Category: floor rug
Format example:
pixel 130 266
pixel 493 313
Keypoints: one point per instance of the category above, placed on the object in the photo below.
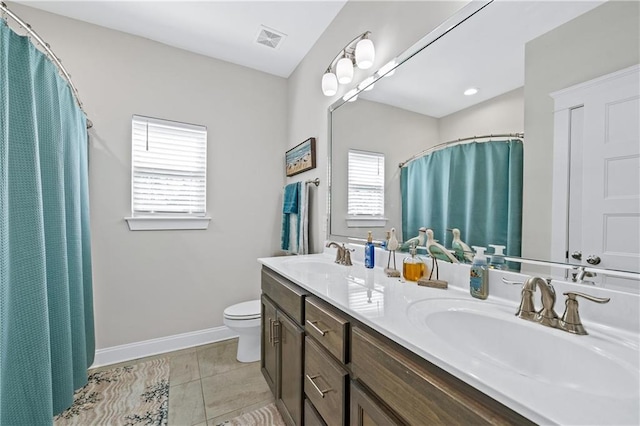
pixel 132 395
pixel 265 416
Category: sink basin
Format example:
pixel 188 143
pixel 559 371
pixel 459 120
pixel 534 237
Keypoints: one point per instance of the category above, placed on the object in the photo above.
pixel 490 332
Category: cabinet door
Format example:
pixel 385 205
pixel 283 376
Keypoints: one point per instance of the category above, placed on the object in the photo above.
pixel 311 416
pixel 290 338
pixel 269 348
pixel 366 411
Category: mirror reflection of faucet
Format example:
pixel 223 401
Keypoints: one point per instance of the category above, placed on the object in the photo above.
pixel 579 275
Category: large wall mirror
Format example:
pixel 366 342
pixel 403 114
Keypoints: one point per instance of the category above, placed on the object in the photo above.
pixel 531 62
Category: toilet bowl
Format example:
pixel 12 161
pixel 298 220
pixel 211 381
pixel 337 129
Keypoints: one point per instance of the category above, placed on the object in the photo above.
pixel 244 319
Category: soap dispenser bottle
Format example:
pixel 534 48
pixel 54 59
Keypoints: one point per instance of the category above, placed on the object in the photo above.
pixel 478 283
pixel 369 252
pixel 413 268
pixel 497 258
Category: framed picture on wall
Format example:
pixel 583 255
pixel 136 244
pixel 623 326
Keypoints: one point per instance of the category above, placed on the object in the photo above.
pixel 301 158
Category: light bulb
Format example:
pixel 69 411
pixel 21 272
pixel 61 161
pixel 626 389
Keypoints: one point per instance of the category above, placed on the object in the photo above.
pixel 350 96
pixel 384 70
pixel 329 84
pixel 344 71
pixel 471 91
pixel 367 84
pixel 365 54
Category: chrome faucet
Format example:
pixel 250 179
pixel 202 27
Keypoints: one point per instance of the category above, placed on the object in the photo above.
pixel 339 253
pixel 347 256
pixel 571 318
pixel 547 316
pixel 343 254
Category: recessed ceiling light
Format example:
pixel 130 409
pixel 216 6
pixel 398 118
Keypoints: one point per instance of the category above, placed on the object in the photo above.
pixel 471 91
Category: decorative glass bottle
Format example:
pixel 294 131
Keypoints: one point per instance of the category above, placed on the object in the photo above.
pixel 413 268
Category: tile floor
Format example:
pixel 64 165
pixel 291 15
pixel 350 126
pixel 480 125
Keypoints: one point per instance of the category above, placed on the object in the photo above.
pixel 207 385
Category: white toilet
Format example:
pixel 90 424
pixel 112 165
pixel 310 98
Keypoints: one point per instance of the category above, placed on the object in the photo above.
pixel 244 319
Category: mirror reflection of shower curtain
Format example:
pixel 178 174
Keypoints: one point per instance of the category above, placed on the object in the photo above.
pixel 46 300
pixel 475 187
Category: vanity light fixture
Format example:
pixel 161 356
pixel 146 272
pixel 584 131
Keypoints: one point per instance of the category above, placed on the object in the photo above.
pixel 471 91
pixel 350 96
pixel 359 51
pixel 388 69
pixel 367 84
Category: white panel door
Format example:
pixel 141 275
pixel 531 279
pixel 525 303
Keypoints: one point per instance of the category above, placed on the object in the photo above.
pixel 611 173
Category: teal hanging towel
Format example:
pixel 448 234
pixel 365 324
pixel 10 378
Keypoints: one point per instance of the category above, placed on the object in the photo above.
pixel 46 300
pixel 474 187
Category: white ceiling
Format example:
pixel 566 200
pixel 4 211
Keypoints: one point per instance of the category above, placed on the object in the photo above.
pixel 225 30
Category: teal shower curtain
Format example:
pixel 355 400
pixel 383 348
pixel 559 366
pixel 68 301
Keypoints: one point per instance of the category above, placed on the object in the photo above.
pixel 46 307
pixel 476 187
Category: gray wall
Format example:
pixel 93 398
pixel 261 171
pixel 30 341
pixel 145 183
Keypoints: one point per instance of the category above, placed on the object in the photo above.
pixel 502 114
pixel 599 42
pixel 150 284
pixel 372 126
pixel 395 26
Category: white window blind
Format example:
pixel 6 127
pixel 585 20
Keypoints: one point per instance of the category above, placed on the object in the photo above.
pixel 366 183
pixel 169 168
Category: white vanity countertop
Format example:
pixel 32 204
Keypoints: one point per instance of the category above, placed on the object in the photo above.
pixel 557 383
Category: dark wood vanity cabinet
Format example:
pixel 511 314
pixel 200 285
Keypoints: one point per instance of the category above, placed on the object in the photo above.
pixel 366 411
pixel 268 348
pixel 418 392
pixel 282 344
pixel 326 368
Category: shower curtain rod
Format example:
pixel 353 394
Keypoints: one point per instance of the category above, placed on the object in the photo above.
pixel 454 142
pixel 5 10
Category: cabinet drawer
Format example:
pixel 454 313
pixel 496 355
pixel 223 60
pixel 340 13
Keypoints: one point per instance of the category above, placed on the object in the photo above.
pixel 396 378
pixel 311 416
pixel 327 327
pixel 288 296
pixel 325 383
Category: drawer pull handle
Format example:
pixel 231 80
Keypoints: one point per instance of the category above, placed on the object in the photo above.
pixel 316 328
pixel 320 391
pixel 276 332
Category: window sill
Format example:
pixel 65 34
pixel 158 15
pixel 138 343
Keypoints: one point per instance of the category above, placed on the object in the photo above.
pixel 167 223
pixel 366 222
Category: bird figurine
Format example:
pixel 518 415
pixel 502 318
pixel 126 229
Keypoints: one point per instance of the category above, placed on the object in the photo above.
pixel 462 251
pixel 437 250
pixel 393 243
pixel 392 246
pixel 418 241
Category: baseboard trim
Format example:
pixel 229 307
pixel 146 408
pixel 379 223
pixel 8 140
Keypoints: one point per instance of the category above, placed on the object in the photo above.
pixel 121 353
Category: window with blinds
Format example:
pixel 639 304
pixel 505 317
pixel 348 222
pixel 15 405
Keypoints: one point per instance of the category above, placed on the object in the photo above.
pixel 169 168
pixel 366 183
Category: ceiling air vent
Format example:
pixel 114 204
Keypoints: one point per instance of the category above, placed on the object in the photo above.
pixel 270 37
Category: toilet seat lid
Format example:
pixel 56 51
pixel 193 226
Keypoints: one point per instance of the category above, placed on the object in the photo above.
pixel 244 310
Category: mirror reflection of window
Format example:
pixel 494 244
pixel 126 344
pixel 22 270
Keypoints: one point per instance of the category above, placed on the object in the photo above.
pixel 366 183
